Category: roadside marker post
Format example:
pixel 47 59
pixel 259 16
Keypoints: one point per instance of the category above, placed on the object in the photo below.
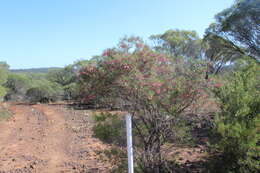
pixel 129 143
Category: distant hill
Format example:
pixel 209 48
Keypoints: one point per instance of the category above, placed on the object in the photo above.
pixel 34 70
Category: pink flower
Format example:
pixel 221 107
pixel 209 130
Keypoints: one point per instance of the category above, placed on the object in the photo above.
pixel 82 72
pixel 156 84
pixel 126 67
pixel 158 91
pixel 153 55
pixel 217 85
pixel 139 45
pixel 89 98
pixel 146 75
pixel 162 59
pixel 107 52
pixel 123 45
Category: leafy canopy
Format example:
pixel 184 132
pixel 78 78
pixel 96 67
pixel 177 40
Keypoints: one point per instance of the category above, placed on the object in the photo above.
pixel 240 24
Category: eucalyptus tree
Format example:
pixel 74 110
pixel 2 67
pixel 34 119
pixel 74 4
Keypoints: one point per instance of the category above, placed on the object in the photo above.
pixel 240 25
pixel 178 43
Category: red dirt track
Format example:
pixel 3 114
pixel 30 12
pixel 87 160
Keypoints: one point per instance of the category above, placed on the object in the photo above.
pixel 49 139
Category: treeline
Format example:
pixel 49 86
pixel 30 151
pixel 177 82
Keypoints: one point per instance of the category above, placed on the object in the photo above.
pixel 159 82
pixel 39 85
pixel 34 70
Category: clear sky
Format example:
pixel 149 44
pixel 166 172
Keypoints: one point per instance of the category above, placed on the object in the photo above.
pixel 44 33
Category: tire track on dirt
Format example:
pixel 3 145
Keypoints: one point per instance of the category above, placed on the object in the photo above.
pixel 20 139
pixel 40 139
pixel 56 138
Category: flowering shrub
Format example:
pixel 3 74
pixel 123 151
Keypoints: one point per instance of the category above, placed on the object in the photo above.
pixel 153 87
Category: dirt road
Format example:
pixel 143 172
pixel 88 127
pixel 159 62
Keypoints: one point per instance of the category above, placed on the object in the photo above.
pixel 49 139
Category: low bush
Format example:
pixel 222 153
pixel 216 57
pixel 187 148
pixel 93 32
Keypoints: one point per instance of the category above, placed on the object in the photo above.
pixel 109 128
pixel 118 157
pixel 4 113
pixel 2 92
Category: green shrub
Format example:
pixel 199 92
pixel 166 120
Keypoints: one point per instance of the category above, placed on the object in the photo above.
pixel 238 122
pixel 4 114
pixel 2 92
pixel 38 95
pixel 118 157
pixel 109 128
pixel 3 77
pixel 17 85
pixel 44 91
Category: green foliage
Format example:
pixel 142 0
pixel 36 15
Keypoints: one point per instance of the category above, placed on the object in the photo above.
pixel 18 82
pixel 4 113
pixel 67 78
pixel 109 128
pixel 63 76
pixel 34 70
pixel 177 43
pixel 117 156
pixel 220 52
pixel 34 87
pixel 71 91
pixel 17 85
pixel 2 92
pixel 3 72
pixel 44 91
pixel 240 25
pixel 3 77
pixel 239 120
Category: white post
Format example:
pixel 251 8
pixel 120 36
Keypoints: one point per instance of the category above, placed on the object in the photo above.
pixel 129 143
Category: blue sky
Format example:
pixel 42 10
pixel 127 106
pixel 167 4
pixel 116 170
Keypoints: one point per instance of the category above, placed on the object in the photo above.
pixel 44 33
